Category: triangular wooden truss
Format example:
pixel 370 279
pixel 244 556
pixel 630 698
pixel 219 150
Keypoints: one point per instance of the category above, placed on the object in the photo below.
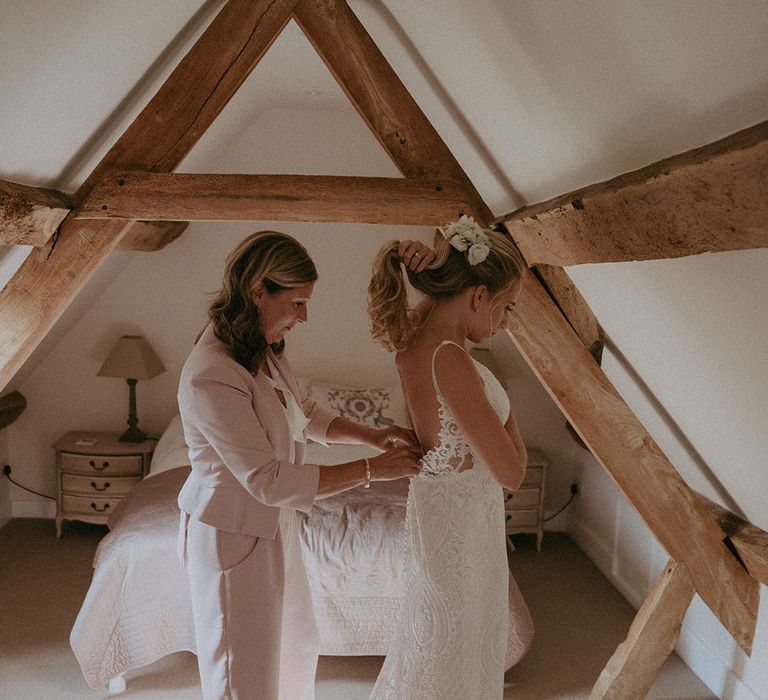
pixel 134 187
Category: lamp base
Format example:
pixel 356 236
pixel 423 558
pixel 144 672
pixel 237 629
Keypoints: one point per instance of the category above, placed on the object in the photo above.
pixel 133 434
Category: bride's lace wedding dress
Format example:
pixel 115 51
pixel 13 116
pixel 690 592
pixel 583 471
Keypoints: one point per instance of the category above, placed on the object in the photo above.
pixel 450 640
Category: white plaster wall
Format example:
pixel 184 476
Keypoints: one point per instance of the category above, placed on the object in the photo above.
pixel 696 330
pixel 693 330
pixel 75 74
pixel 11 257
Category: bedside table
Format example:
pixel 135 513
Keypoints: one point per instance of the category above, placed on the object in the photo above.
pixel 524 508
pixel 95 471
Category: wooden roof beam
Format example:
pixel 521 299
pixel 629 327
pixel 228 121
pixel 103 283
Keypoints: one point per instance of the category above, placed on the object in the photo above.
pixel 196 197
pixel 706 200
pixel 750 542
pixel 158 139
pixel 30 215
pixel 629 454
pixel 381 99
pixel 632 669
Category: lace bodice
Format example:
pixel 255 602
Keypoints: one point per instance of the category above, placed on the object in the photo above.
pixel 452 451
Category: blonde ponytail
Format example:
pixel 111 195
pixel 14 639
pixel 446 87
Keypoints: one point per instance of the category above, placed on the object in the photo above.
pixel 388 300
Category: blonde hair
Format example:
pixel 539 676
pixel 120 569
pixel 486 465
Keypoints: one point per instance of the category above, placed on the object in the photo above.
pixel 391 321
pixel 279 262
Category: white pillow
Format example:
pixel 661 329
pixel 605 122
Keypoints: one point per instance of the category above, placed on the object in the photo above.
pixel 171 450
pixel 376 408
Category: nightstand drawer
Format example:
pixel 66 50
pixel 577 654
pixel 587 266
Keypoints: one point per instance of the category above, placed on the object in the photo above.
pixel 523 518
pixel 98 464
pixel 533 476
pixel 98 485
pixel 523 498
pixel 87 505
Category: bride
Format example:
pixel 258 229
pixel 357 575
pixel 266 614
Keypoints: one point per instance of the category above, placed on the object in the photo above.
pixel 452 634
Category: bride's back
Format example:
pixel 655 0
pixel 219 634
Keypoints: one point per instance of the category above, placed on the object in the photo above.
pixel 414 365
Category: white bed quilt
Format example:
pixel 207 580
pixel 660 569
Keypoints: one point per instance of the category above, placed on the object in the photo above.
pixel 137 608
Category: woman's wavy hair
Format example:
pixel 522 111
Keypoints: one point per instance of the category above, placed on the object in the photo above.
pixel 391 321
pixel 279 262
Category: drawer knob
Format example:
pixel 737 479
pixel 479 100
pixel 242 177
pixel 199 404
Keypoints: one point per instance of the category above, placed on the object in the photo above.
pixel 100 510
pixel 95 486
pixel 103 466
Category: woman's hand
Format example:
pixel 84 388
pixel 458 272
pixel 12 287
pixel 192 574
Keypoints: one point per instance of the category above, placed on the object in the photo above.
pixel 415 255
pixel 394 436
pixel 394 464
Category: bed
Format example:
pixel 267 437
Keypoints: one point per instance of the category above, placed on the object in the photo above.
pixel 137 608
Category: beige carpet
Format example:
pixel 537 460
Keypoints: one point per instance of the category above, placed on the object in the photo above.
pixel 580 618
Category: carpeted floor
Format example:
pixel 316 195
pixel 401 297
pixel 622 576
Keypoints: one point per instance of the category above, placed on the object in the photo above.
pixel 580 619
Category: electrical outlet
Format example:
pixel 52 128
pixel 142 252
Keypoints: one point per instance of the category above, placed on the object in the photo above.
pixel 7 470
pixel 575 489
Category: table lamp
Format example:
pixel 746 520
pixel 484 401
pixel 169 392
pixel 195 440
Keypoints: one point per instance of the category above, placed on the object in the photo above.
pixel 132 358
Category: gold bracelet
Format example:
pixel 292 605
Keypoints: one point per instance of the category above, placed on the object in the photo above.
pixel 367 474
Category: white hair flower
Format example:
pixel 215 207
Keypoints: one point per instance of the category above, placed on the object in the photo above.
pixel 478 252
pixel 467 235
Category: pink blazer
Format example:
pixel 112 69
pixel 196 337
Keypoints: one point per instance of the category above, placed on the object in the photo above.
pixel 239 443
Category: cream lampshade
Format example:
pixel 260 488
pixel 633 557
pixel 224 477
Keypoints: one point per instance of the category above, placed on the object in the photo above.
pixel 132 358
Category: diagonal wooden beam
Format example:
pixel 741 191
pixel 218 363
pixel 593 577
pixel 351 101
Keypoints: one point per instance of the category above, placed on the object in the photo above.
pixel 574 307
pixel 197 90
pixel 189 101
pixel 577 312
pixel 30 215
pixel 709 199
pixel 749 541
pixel 381 99
pixel 626 450
pixel 631 671
pixel 159 138
pixel 45 284
pixel 196 197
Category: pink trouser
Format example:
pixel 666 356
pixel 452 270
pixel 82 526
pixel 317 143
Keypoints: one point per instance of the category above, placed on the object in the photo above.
pixel 254 623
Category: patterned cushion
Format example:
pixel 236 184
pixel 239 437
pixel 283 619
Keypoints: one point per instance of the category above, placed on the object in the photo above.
pixel 376 408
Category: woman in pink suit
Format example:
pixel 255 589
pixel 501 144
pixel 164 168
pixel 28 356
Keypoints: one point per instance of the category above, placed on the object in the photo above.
pixel 246 421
